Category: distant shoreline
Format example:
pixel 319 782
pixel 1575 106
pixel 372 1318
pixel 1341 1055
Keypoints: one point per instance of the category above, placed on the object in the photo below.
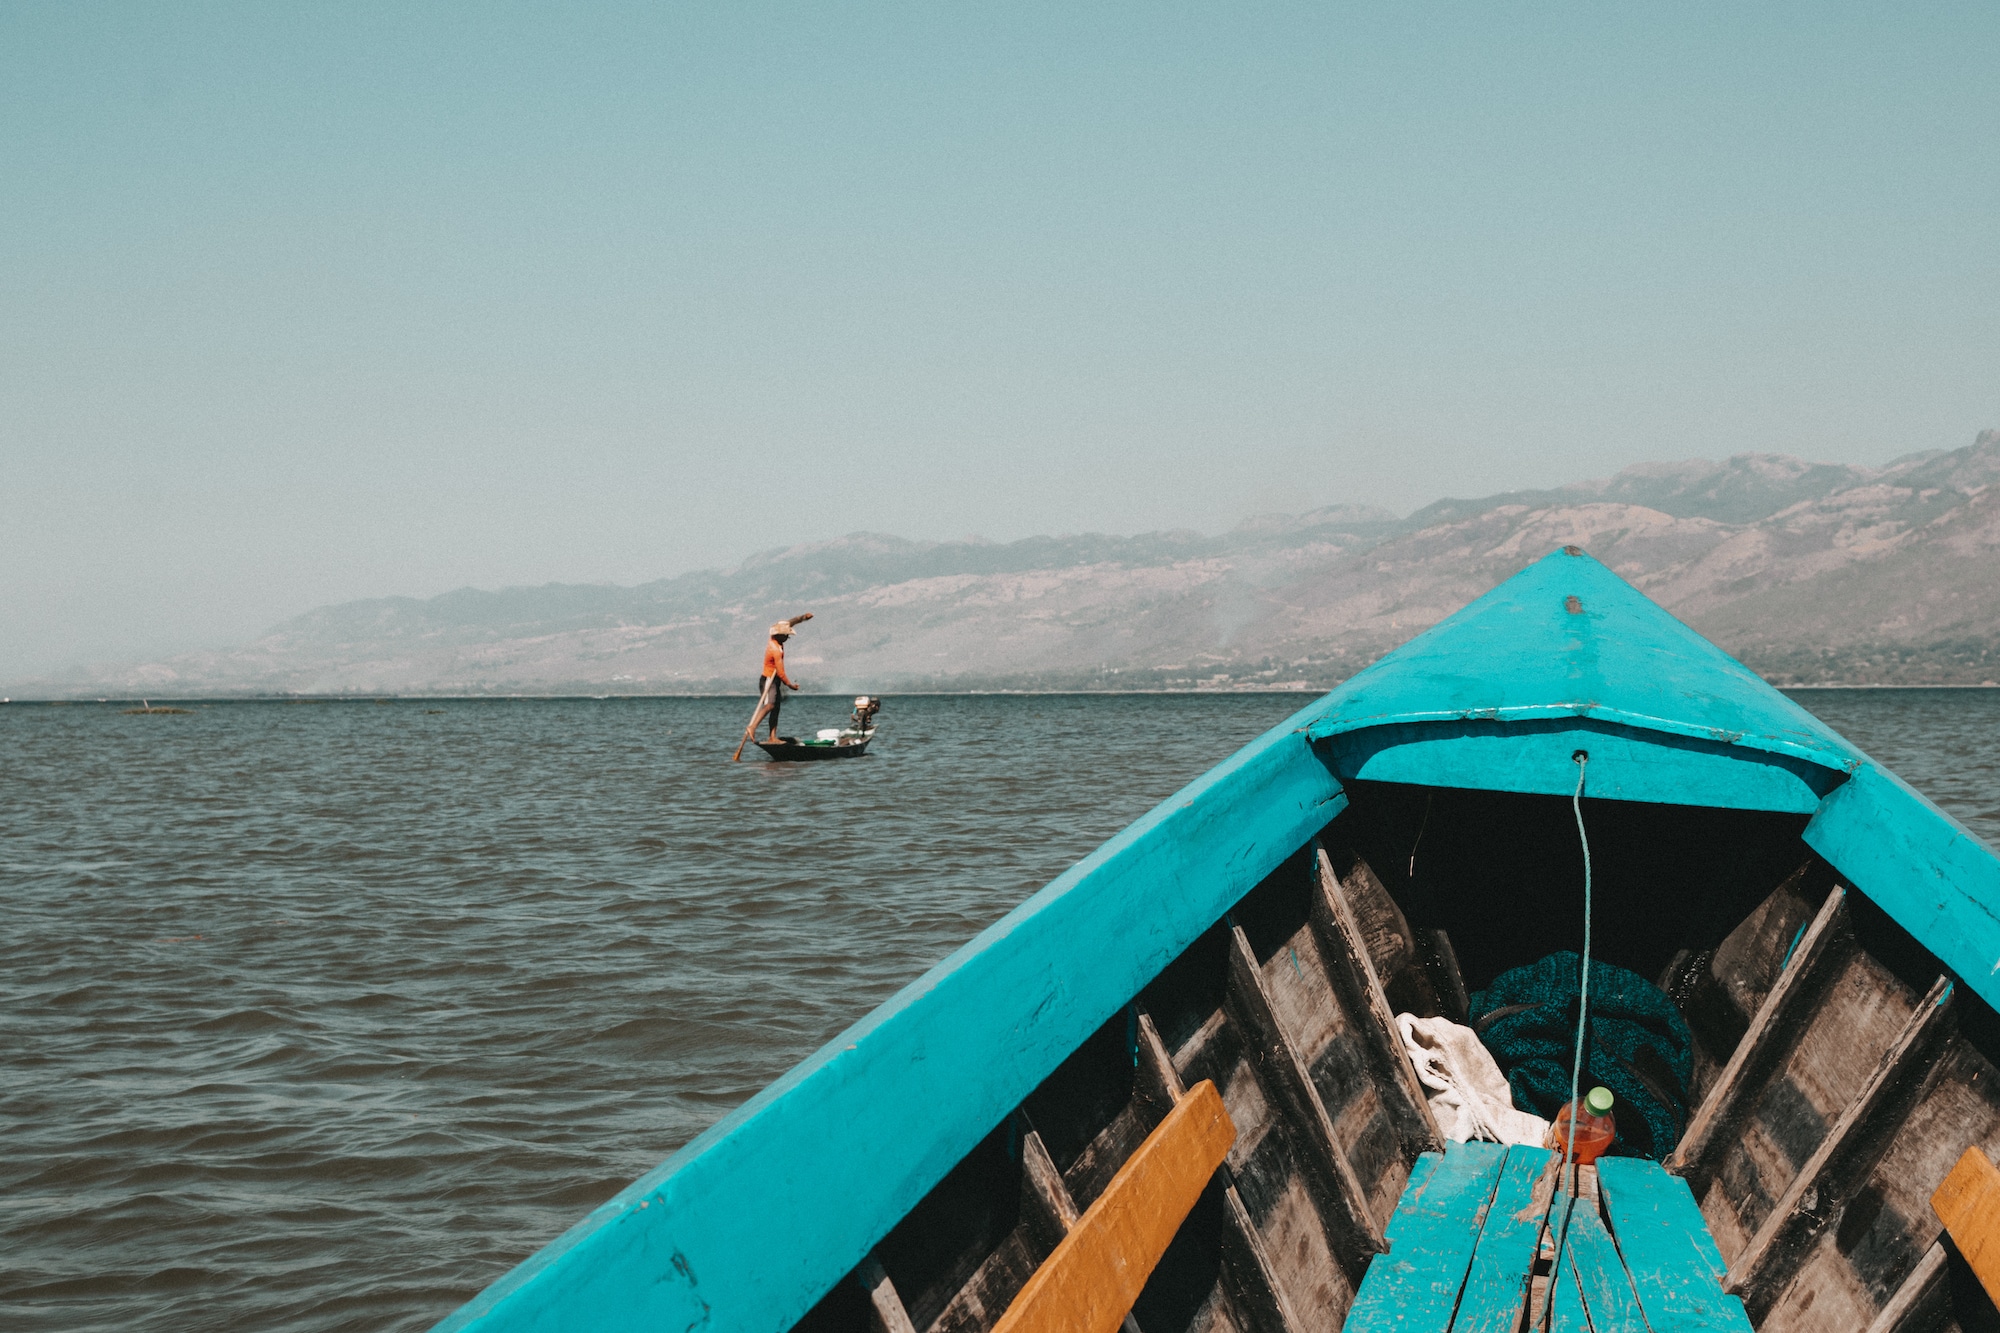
pixel 210 699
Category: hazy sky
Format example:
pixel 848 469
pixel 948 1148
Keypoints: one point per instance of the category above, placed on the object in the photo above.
pixel 306 303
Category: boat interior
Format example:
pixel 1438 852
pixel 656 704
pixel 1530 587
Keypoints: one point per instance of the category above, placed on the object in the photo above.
pixel 1837 1074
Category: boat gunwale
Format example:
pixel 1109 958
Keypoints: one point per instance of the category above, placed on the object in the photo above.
pixel 1211 841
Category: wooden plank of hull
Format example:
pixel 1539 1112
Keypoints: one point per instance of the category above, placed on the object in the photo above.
pixel 1844 1157
pixel 1252 1275
pixel 997 1276
pixel 1863 1013
pixel 1342 1201
pixel 1089 1283
pixel 1865 1252
pixel 885 1307
pixel 1915 1306
pixel 1755 955
pixel 1720 991
pixel 1378 925
pixel 1291 1201
pixel 1094 1167
pixel 1718 1124
pixel 1332 1047
pixel 1045 1187
pixel 1968 1202
pixel 1441 963
pixel 1352 969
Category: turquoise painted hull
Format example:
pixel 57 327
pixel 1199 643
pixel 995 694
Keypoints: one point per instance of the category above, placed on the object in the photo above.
pixel 747 1227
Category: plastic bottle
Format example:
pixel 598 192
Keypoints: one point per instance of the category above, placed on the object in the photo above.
pixel 1594 1128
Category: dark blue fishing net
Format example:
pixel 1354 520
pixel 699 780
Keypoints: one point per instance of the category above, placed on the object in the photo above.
pixel 1636 1045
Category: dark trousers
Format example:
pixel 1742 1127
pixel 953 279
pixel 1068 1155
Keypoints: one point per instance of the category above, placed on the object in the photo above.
pixel 771 693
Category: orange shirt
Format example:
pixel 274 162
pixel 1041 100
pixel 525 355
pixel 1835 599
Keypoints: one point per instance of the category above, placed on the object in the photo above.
pixel 774 662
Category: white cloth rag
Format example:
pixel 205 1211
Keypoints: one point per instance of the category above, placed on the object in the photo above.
pixel 1467 1092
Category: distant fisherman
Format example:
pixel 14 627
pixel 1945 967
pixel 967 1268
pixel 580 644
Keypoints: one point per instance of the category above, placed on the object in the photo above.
pixel 772 683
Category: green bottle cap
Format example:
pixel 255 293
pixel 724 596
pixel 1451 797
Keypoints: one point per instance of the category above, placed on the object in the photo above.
pixel 1599 1101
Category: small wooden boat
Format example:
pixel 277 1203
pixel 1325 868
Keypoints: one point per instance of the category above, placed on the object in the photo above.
pixel 1167 1092
pixel 845 745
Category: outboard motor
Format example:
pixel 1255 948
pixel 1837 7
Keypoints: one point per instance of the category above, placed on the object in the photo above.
pixel 866 706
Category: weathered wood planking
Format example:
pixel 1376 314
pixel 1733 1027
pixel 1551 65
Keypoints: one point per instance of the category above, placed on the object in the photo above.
pixel 983 1296
pixel 1248 1266
pixel 1056 1211
pixel 1915 1307
pixel 1592 1263
pixel 1789 1003
pixel 1751 958
pixel 1496 1283
pixel 1569 1315
pixel 1840 1163
pixel 1721 991
pixel 1340 1053
pixel 1675 1268
pixel 1389 943
pixel 1466 1235
pixel 1863 1257
pixel 1089 1283
pixel 885 1307
pixel 1342 1201
pixel 1352 969
pixel 1274 1176
pixel 1415 1287
pixel 1838 1047
pixel 1094 1167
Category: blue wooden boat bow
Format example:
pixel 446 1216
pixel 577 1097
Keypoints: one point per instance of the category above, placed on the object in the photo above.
pixel 758 1224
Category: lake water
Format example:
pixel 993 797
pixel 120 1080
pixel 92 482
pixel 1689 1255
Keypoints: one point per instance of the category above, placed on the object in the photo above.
pixel 319 1017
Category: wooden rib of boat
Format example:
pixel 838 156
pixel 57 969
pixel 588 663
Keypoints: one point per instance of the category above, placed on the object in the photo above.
pixel 790 749
pixel 1832 939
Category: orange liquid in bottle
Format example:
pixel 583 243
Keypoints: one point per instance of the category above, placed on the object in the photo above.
pixel 1595 1128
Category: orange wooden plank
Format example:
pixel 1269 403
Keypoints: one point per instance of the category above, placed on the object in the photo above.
pixel 1968 1203
pixel 1089 1283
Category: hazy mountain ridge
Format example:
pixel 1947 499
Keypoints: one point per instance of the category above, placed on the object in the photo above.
pixel 1810 572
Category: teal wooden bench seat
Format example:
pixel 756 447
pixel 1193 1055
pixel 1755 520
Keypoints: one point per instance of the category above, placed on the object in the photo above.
pixel 1675 1268
pixel 1464 1240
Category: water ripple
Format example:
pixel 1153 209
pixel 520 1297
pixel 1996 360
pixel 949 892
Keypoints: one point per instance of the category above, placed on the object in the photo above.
pixel 317 1019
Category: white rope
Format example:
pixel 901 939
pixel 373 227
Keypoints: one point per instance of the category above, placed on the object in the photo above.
pixel 1576 1065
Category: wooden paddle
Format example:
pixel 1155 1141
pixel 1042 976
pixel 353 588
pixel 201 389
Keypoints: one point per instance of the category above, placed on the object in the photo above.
pixel 763 707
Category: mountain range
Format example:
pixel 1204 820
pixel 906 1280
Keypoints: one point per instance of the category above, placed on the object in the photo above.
pixel 1811 573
